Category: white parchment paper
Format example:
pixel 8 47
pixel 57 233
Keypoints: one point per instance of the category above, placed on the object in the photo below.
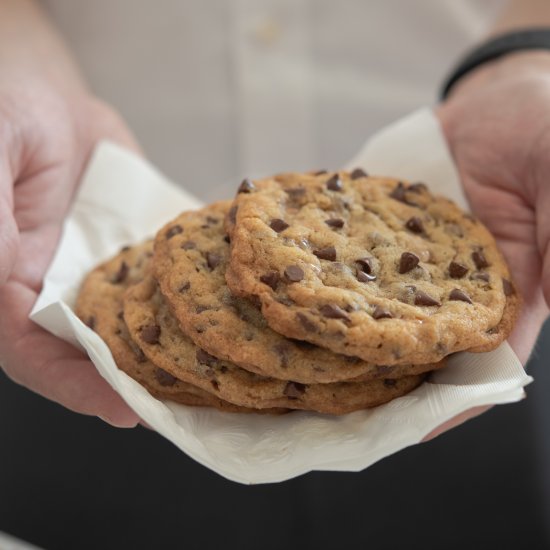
pixel 123 199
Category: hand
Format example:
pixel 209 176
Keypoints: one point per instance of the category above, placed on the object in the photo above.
pixel 497 124
pixel 46 137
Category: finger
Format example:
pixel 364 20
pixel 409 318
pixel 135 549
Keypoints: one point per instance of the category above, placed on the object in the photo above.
pixel 52 368
pixel 546 274
pixel 544 245
pixel 9 233
pixel 108 124
pixel 9 239
pixel 526 331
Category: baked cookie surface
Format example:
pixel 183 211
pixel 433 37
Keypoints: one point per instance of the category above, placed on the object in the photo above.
pixel 369 267
pixel 99 305
pixel 191 256
pixel 152 324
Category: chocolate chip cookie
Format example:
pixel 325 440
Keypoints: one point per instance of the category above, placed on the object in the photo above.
pixel 99 305
pixel 370 267
pixel 151 323
pixel 191 255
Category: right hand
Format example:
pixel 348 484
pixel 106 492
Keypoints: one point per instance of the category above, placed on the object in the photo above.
pixel 46 138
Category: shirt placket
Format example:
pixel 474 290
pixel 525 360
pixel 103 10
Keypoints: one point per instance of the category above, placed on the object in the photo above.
pixel 270 53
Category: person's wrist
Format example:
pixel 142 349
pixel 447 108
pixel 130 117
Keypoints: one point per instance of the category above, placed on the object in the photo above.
pixel 491 83
pixel 510 67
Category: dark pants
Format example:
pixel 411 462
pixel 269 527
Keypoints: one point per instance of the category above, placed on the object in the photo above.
pixel 68 481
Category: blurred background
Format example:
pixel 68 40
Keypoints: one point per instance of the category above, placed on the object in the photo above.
pixel 217 90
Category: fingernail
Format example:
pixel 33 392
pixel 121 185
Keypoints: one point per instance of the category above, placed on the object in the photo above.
pixel 119 424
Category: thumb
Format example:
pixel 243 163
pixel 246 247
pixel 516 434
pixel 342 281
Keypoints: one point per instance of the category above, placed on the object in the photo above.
pixel 546 271
pixel 9 232
pixel 543 237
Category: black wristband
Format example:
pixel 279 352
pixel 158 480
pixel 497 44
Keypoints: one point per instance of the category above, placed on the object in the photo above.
pixel 527 39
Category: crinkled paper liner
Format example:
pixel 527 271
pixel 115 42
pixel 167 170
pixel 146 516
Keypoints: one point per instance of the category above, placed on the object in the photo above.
pixel 123 199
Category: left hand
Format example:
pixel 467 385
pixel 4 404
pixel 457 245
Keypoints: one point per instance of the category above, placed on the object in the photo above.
pixel 497 125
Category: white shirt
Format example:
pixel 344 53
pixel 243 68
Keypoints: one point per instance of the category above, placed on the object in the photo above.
pixel 217 90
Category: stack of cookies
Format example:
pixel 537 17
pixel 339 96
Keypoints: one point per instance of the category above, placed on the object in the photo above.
pixel 323 292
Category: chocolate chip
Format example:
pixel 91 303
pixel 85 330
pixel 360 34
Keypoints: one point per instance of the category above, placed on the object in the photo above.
pixel 211 220
pixel 164 378
pixel 271 279
pixel 390 382
pixel 442 349
pixel 363 277
pixel 327 253
pixel 320 172
pixel 336 223
pixel 332 311
pixel 215 384
pixel 189 245
pixel 460 295
pixel 201 309
pixel 302 344
pixel 209 371
pixel 381 313
pixel 121 274
pixel 494 330
pixel 90 322
pixel 213 260
pixel 232 214
pixel 294 273
pixel 365 264
pixel 415 225
pixel 278 225
pixel 295 192
pixel 423 299
pixel 407 262
pixel 255 302
pixel 140 356
pixel 480 276
pixel 384 369
pixel 282 350
pixel 150 334
pixel 399 194
pixel 294 390
pixel 306 323
pixel 226 239
pixel 205 358
pixel 120 315
pixel 358 173
pixel 417 187
pixel 285 300
pixel 174 230
pixel 335 183
pixel 508 287
pixel 479 259
pixel 457 271
pixel 184 287
pixel 246 186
